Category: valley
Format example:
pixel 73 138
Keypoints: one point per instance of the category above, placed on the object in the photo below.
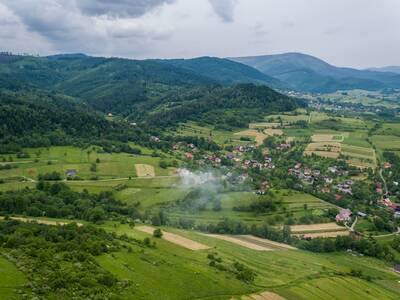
pixel 192 187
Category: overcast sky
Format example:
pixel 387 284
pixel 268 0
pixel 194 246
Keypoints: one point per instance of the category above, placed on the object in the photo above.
pixel 357 33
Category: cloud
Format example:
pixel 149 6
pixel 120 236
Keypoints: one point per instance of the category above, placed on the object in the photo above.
pixel 119 8
pixel 225 9
pixel 71 27
pixel 328 29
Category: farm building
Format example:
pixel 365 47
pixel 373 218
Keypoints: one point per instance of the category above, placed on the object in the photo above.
pixel 71 172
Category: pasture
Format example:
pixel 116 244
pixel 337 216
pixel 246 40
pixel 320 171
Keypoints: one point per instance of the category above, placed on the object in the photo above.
pixel 61 159
pixel 290 274
pixel 291 201
pixel 218 136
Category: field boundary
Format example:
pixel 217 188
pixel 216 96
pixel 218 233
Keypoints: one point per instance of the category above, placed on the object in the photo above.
pixel 174 238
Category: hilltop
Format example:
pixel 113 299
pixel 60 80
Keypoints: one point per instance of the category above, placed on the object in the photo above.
pixel 308 73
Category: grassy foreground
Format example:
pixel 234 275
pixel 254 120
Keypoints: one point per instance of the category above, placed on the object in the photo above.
pixel 172 272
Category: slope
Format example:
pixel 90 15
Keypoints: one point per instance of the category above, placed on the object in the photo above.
pixel 308 73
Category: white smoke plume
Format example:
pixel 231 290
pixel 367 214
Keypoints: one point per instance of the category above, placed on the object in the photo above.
pixel 197 179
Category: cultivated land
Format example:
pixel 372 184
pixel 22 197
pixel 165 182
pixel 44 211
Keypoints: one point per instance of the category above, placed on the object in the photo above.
pixel 259 136
pixel 175 239
pixel 293 201
pixel 219 136
pixel 178 266
pixel 143 170
pixel 308 272
pixel 316 228
pixel 358 152
pixel 61 159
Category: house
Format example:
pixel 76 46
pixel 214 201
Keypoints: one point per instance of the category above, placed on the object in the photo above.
pixel 344 215
pixel 387 165
pixel 338 197
pixel 189 155
pixel 71 173
pixel 361 214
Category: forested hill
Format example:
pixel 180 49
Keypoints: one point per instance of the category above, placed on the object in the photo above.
pixel 53 100
pixel 224 107
pixel 224 70
pixel 40 118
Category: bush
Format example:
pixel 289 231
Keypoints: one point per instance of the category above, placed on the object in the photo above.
pixel 157 233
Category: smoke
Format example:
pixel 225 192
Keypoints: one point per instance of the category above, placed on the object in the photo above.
pixel 199 179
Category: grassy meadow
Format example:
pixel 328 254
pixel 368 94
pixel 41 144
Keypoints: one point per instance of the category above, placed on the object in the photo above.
pixel 60 159
pixel 293 274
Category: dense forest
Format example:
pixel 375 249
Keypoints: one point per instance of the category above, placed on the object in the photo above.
pixel 62 100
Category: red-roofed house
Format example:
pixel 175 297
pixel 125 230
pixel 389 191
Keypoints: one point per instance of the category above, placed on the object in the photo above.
pixel 344 215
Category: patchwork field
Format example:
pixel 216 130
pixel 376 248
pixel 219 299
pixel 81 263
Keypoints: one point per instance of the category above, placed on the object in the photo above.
pixel 143 170
pixel 359 156
pixel 328 234
pixel 324 149
pixel 262 125
pixel 258 136
pixel 327 138
pixel 316 228
pixel 60 159
pixel 309 273
pixel 239 241
pixel 219 136
pixel 293 201
pixel 333 145
pixel 175 238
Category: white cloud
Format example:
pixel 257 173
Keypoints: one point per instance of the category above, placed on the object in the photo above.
pixel 358 33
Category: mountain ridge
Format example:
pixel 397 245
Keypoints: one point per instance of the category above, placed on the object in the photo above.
pixel 308 73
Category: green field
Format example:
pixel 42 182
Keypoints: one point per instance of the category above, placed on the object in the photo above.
pixel 385 142
pixel 11 279
pixel 218 136
pixel 60 159
pixel 292 201
pixel 357 138
pixel 172 272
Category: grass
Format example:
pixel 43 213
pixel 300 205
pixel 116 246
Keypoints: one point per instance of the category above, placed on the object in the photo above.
pixel 384 142
pixel 113 165
pixel 10 279
pixel 172 272
pixel 219 136
pixel 293 201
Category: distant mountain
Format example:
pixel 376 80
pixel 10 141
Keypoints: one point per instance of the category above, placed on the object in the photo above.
pixel 305 72
pixel 392 69
pixel 224 70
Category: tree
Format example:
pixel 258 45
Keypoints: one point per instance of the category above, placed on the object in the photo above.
pixel 157 233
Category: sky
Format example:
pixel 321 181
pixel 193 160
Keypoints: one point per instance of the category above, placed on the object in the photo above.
pixel 354 33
